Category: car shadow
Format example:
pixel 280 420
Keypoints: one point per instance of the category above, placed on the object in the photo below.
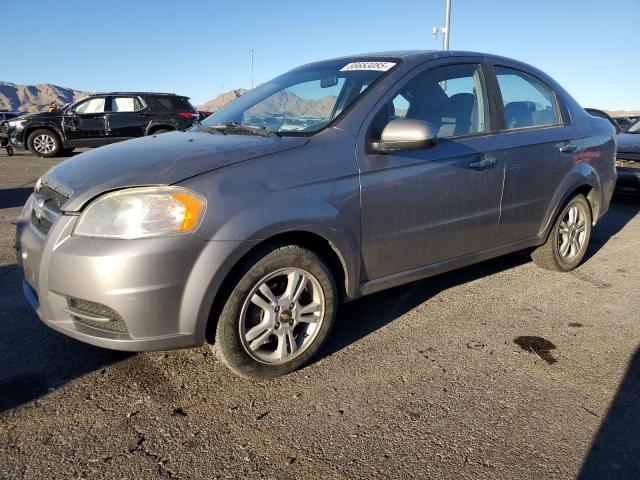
pixel 359 318
pixel 622 209
pixel 36 359
pixel 14 197
pixel 363 316
pixel 615 450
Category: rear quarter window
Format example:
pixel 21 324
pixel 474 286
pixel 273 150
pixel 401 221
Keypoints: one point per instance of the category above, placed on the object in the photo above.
pixel 175 103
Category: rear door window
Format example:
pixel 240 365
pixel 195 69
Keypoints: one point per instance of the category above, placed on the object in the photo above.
pixel 527 101
pixel 126 104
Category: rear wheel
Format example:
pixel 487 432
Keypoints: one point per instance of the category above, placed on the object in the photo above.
pixel 278 315
pixel 568 239
pixel 44 143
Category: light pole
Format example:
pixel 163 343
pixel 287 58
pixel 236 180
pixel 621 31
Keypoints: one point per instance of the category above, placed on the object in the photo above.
pixel 252 63
pixel 446 30
pixel 447 23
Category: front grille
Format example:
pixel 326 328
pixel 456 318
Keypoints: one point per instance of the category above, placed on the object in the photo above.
pixel 622 163
pixel 57 198
pixel 46 208
pixel 105 317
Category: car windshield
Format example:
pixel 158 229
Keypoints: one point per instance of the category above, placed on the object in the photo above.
pixel 634 128
pixel 301 101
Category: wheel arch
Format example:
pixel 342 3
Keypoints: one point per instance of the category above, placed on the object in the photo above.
pixel 53 128
pixel 583 181
pixel 313 241
pixel 154 127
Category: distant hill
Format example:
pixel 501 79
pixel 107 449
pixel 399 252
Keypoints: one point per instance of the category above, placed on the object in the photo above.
pixel 295 106
pixel 221 100
pixel 623 113
pixel 35 98
pixel 284 102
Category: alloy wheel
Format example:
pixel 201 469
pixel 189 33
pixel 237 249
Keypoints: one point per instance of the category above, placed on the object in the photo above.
pixel 572 233
pixel 282 315
pixel 44 143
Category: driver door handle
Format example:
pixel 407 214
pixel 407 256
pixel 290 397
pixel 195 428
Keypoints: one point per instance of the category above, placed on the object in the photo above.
pixel 484 163
pixel 568 148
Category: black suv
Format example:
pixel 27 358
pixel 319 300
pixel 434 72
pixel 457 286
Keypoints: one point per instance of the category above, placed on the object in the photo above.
pixel 98 120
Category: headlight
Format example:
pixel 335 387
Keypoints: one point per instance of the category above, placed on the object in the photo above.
pixel 142 212
pixel 16 123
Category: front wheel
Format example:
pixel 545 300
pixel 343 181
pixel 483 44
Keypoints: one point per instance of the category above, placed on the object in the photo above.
pixel 44 143
pixel 568 239
pixel 279 313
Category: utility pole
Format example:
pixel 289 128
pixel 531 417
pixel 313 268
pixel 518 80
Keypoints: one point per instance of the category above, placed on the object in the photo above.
pixel 446 30
pixel 252 63
pixel 447 23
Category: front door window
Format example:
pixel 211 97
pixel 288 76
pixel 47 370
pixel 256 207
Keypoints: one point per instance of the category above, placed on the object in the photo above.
pixel 93 105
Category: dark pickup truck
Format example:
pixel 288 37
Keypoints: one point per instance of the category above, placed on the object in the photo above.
pixel 98 120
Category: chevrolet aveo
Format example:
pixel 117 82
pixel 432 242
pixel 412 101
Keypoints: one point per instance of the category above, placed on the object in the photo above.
pixel 335 180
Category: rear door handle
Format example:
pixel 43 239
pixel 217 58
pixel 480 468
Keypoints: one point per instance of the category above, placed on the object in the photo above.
pixel 568 148
pixel 483 164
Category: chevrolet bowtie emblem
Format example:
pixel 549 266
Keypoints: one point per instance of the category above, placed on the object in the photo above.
pixel 38 209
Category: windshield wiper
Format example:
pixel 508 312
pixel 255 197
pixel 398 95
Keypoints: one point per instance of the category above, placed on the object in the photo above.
pixel 233 127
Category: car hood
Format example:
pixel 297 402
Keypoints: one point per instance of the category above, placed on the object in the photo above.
pixel 628 142
pixel 155 160
pixel 40 115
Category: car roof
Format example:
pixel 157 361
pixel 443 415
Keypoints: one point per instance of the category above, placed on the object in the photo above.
pixel 140 93
pixel 419 56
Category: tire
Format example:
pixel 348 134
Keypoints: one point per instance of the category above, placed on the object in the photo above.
pixel 44 143
pixel 273 339
pixel 569 238
pixel 160 130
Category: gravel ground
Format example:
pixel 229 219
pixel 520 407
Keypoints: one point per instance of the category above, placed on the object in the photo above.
pixel 436 379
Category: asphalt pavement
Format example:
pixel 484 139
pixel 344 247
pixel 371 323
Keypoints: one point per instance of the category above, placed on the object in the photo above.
pixel 500 370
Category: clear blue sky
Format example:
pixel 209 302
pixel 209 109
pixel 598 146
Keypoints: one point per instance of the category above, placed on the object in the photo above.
pixel 190 47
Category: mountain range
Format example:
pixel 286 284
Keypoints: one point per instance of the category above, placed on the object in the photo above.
pixel 35 98
pixel 285 102
pixel 221 100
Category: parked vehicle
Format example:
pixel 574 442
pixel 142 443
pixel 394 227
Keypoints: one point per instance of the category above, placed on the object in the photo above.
pixel 625 122
pixel 392 167
pixel 203 114
pixel 99 120
pixel 628 158
pixel 601 114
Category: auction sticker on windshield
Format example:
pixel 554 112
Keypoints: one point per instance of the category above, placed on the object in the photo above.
pixel 378 66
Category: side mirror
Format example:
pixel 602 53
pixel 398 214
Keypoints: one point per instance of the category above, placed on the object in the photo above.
pixel 405 134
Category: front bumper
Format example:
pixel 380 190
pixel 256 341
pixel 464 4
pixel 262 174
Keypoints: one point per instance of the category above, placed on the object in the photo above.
pixel 628 170
pixel 13 136
pixel 149 294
